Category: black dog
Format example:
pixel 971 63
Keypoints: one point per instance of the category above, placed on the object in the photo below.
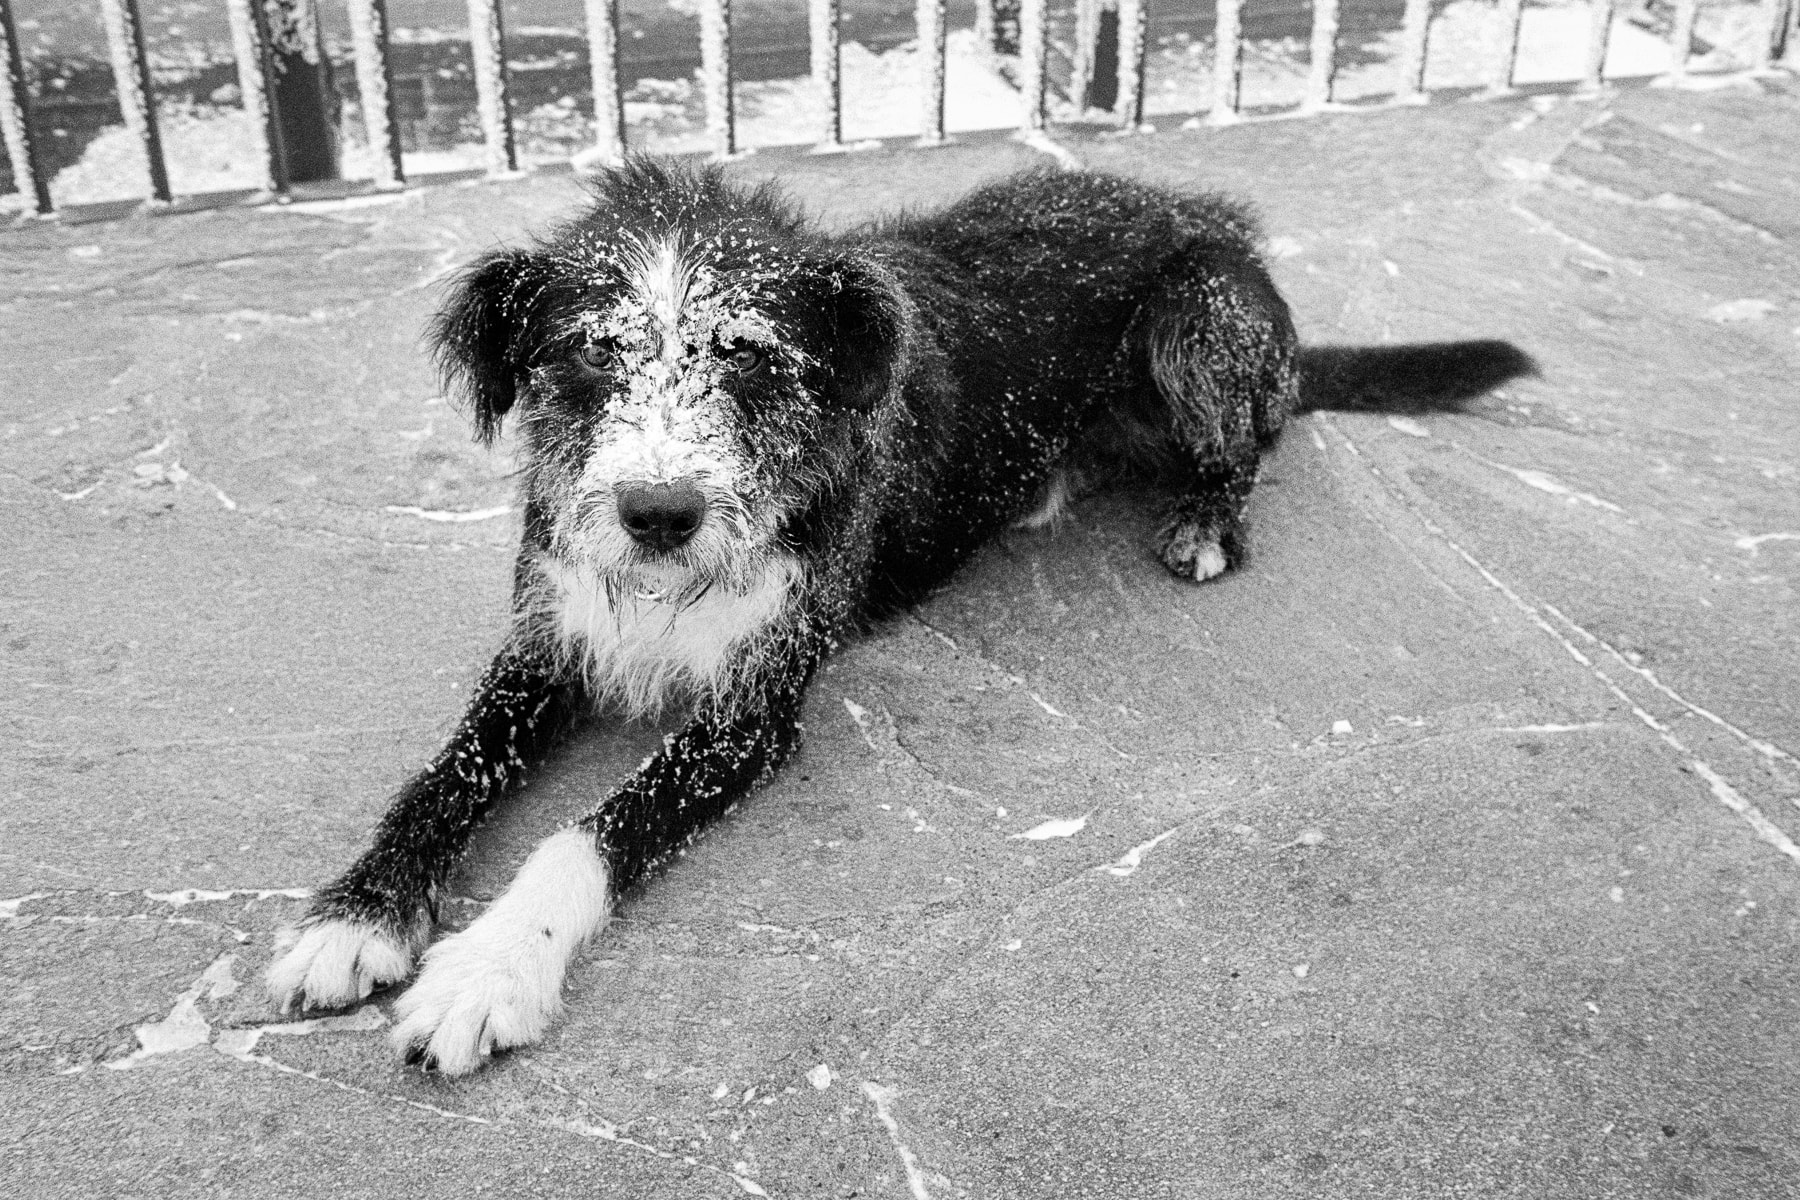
pixel 744 438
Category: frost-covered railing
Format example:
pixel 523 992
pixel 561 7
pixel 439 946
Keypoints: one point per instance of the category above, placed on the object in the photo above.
pixel 256 64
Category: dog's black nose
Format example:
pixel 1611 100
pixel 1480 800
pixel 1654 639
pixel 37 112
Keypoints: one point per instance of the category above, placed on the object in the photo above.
pixel 662 515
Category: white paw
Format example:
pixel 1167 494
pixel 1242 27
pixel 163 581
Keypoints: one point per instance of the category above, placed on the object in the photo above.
pixel 335 963
pixel 498 983
pixel 1208 562
pixel 1193 555
pixel 487 988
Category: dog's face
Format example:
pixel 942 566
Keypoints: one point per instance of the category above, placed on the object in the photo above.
pixel 691 373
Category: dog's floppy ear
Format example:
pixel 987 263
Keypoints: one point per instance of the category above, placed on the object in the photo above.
pixel 482 337
pixel 872 327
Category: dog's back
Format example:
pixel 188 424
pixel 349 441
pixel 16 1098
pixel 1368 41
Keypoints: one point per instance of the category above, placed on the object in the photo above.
pixel 1072 324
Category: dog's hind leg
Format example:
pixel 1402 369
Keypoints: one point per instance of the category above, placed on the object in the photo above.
pixel 1215 347
pixel 498 983
pixel 365 930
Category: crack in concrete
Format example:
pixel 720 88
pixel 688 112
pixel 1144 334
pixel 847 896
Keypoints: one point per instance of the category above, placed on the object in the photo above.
pixel 1542 482
pixel 883 1097
pixel 187 1028
pixel 882 735
pixel 100 919
pixel 1723 791
pixel 1022 684
pixel 180 898
pixel 610 1131
pixel 1661 202
pixel 301 736
pixel 1754 543
pixel 1766 749
pixel 1373 519
pixel 1543 225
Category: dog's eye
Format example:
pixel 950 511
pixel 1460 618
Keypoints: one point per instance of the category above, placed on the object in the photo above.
pixel 597 356
pixel 742 357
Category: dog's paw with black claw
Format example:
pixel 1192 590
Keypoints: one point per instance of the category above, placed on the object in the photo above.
pixel 492 987
pixel 336 962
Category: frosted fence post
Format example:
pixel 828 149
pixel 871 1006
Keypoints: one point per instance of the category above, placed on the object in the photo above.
pixel 15 118
pixel 1600 15
pixel 1228 63
pixel 1087 41
pixel 1322 68
pixel 297 81
pixel 1511 15
pixel 1033 50
pixel 984 26
pixel 375 86
pixel 1133 49
pixel 715 72
pixel 131 77
pixel 929 16
pixel 487 44
pixel 603 71
pixel 1773 24
pixel 250 46
pixel 1415 29
pixel 1681 36
pixel 823 17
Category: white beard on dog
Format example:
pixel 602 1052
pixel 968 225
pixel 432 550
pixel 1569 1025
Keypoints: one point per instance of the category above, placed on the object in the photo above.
pixel 654 644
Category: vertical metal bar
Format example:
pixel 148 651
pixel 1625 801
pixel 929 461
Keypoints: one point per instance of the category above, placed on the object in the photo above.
pixel 929 16
pixel 1773 24
pixel 487 42
pixel 1087 38
pixel 1600 18
pixel 1511 16
pixel 305 99
pixel 375 86
pixel 131 78
pixel 984 26
pixel 1681 37
pixel 250 45
pixel 1133 48
pixel 715 71
pixel 603 71
pixel 1415 29
pixel 826 64
pixel 15 117
pixel 1228 62
pixel 1034 47
pixel 1322 67
pixel 1790 47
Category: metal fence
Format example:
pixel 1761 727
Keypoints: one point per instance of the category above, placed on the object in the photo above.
pixel 256 64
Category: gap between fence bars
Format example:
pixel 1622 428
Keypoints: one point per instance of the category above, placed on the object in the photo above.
pixel 252 43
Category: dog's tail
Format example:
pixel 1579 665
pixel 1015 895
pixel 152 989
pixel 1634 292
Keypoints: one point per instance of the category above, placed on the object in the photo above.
pixel 1426 377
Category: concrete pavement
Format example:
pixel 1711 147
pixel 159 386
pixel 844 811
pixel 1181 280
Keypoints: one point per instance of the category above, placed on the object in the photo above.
pixel 1442 852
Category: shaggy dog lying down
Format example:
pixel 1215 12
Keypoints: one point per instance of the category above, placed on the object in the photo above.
pixel 741 439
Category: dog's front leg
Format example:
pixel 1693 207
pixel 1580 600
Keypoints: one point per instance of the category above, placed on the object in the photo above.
pixel 498 983
pixel 365 929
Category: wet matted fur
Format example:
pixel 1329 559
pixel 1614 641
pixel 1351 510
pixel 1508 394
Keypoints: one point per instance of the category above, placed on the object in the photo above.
pixel 743 438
